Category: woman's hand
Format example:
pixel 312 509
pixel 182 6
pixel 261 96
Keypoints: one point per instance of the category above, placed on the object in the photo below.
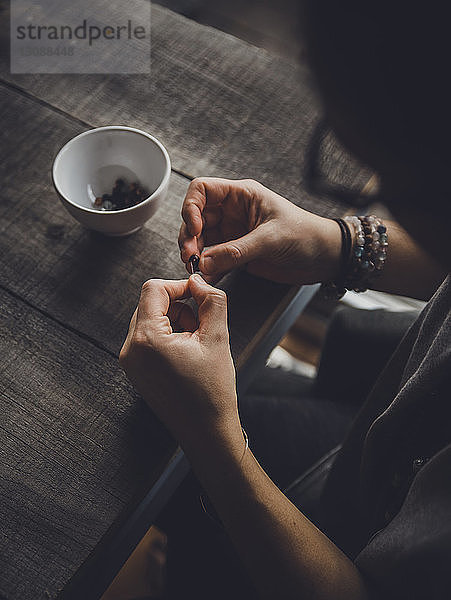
pixel 243 223
pixel 181 364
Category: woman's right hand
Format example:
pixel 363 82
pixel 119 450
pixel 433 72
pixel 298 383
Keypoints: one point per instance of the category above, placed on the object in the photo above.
pixel 242 223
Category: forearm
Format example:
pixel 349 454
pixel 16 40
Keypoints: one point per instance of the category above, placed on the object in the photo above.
pixel 284 553
pixel 408 271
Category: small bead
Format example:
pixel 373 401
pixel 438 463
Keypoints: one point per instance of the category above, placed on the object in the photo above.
pixel 383 238
pixel 375 245
pixel 194 263
pixel 358 251
pixel 381 228
pixel 360 240
pixel 418 463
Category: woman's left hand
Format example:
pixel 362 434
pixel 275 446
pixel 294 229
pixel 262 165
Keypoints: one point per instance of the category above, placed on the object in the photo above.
pixel 182 365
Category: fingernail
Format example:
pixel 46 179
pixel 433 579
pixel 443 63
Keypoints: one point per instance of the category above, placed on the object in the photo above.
pixel 208 264
pixel 198 277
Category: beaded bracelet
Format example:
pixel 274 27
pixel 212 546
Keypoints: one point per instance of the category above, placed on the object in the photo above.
pixel 361 259
pixel 369 251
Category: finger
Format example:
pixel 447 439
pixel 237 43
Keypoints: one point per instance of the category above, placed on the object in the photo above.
pixel 210 193
pixel 213 279
pixel 211 217
pixel 214 236
pixel 193 205
pixel 131 329
pixel 189 245
pixel 234 253
pixel 182 317
pixel 157 295
pixel 212 304
pixel 132 325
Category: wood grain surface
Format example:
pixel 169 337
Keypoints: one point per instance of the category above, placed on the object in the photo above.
pixel 81 288
pixel 89 282
pixel 221 106
pixel 79 450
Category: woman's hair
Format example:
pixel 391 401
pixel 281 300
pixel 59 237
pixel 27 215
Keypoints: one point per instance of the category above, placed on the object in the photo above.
pixel 383 68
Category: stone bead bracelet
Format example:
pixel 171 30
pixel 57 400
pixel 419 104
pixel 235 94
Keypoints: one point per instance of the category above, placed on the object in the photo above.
pixel 369 251
pixel 362 258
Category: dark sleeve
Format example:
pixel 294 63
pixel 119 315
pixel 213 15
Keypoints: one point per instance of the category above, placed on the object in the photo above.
pixel 370 338
pixel 411 557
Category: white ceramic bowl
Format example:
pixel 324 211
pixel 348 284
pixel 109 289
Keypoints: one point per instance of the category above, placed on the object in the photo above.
pixel 89 164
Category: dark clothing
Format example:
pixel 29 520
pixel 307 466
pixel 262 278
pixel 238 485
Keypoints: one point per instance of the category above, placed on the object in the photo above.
pixel 397 446
pixel 287 434
pixel 358 345
pixel 292 421
pixel 289 427
pixel 387 500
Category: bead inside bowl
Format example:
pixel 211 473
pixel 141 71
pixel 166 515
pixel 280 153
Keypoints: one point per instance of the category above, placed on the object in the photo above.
pixel 88 166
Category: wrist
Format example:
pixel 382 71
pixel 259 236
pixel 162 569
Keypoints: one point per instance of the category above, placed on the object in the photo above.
pixel 218 449
pixel 329 250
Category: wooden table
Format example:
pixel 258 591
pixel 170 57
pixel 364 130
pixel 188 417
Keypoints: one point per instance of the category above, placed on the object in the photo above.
pixel 85 467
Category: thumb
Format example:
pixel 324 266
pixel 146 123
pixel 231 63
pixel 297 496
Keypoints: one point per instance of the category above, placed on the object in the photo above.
pixel 212 303
pixel 228 255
